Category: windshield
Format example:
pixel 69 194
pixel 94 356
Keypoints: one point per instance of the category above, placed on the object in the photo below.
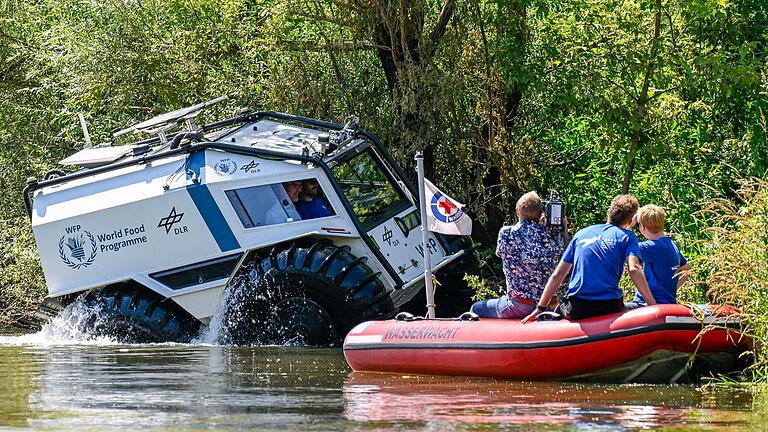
pixel 369 190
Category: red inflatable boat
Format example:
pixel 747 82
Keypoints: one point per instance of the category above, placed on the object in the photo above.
pixel 664 343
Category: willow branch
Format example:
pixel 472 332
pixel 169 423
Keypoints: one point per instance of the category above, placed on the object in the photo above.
pixel 331 46
pixel 340 4
pixel 446 13
pixel 326 19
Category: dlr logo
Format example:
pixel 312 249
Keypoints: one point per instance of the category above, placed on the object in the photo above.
pixel 73 229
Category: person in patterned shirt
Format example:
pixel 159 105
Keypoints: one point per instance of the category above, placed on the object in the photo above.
pixel 529 252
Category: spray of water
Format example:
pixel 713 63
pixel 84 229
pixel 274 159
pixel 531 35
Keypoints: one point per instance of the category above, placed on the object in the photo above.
pixel 211 334
pixel 72 326
pixel 230 310
pixel 252 311
pixel 248 313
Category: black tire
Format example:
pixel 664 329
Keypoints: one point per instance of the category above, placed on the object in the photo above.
pixel 302 293
pixel 130 313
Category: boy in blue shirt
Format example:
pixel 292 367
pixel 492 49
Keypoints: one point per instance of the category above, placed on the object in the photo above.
pixel 597 255
pixel 665 267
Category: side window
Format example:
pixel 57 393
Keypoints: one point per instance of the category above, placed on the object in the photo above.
pixel 279 203
pixel 368 189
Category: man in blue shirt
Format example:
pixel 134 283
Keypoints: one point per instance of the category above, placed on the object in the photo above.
pixel 597 255
pixel 310 205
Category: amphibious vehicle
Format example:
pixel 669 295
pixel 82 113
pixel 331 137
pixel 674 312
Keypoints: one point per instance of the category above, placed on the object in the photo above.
pixel 154 234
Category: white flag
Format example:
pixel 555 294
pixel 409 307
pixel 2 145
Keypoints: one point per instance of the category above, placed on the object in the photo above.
pixel 444 214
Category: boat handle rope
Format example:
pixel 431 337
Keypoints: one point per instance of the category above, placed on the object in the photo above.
pixel 405 316
pixel 435 284
pixel 697 312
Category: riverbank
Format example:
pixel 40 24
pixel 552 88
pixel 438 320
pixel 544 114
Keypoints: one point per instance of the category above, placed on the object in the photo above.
pixel 22 285
pixel 732 267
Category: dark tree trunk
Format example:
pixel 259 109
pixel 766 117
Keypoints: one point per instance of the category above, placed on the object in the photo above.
pixel 642 100
pixel 405 54
pixel 510 99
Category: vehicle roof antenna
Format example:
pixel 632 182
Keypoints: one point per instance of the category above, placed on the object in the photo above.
pixel 84 126
pixel 159 124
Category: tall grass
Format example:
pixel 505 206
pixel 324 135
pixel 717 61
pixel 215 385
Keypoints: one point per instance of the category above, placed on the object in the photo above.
pixel 733 267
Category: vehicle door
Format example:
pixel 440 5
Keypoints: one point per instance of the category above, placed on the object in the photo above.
pixel 386 212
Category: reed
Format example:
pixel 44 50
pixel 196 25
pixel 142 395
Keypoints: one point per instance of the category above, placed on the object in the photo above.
pixel 733 265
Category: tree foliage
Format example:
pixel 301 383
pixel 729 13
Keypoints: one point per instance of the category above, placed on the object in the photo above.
pixel 666 99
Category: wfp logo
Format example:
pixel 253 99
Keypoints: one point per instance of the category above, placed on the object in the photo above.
pixel 225 167
pixel 77 248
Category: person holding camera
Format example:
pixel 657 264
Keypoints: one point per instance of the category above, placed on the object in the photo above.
pixel 529 252
pixel 597 255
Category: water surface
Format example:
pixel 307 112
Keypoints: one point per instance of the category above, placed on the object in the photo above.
pixel 96 385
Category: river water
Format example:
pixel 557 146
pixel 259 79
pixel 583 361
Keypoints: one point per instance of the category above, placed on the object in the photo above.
pixel 57 381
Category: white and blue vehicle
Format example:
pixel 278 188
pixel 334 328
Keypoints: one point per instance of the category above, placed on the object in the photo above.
pixel 155 233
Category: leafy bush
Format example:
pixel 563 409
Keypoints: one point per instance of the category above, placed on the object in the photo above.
pixel 490 282
pixel 21 282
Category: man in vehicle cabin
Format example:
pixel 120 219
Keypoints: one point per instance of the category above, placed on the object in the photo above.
pixel 283 210
pixel 310 205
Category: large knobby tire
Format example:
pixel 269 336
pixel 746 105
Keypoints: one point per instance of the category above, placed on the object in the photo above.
pixel 302 293
pixel 130 313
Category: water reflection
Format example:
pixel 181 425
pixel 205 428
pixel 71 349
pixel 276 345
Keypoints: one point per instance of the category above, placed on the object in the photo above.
pixel 426 400
pixel 17 371
pixel 270 388
pixel 102 386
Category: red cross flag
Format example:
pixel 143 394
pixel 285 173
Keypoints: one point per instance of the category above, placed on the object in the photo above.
pixel 444 214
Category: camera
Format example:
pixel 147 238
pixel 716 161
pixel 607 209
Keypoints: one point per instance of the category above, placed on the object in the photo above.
pixel 554 211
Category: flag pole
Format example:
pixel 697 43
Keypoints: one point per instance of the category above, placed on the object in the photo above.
pixel 425 236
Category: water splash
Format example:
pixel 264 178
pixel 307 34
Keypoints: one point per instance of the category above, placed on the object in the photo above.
pixel 234 308
pixel 72 326
pixel 212 334
pixel 248 313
